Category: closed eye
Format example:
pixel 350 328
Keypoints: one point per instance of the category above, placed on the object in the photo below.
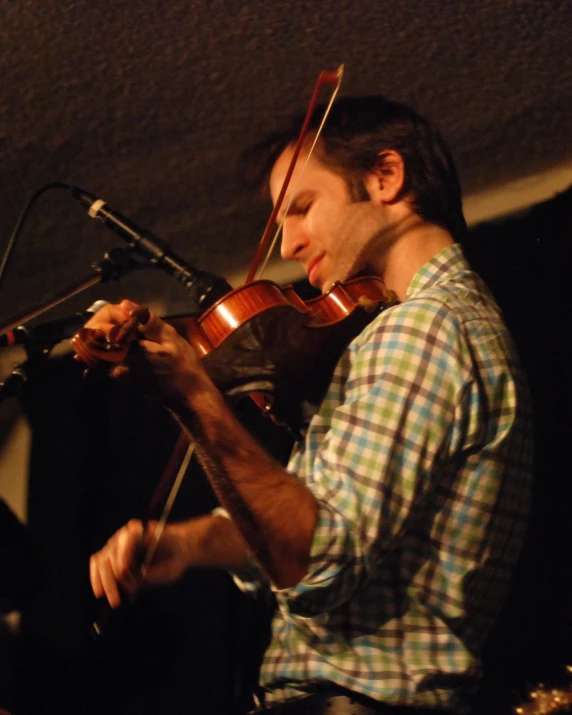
pixel 300 206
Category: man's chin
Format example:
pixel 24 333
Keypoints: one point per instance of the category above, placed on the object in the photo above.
pixel 343 277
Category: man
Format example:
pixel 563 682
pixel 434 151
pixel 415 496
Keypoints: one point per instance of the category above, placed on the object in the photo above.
pixel 391 538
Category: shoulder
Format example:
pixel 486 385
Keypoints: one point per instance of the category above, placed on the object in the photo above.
pixel 428 321
pixel 417 347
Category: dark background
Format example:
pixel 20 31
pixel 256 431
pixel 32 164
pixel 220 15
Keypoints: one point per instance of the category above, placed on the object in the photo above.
pixel 149 106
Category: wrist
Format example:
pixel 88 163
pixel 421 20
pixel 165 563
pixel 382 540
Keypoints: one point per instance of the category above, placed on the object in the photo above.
pixel 187 534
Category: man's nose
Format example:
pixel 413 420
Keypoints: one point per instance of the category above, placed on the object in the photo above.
pixel 294 240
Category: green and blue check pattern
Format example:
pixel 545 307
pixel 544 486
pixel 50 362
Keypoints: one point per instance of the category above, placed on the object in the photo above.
pixel 420 457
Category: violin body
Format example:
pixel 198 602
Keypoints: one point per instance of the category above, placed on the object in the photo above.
pixel 265 341
pixel 281 350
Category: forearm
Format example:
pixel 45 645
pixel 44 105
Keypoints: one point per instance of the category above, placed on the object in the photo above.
pixel 273 511
pixel 212 541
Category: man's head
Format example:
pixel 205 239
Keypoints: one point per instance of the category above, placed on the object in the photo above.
pixel 378 174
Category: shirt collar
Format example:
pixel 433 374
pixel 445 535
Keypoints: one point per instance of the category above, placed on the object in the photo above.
pixel 448 260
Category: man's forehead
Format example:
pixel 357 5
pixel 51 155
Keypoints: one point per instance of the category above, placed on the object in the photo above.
pixel 283 162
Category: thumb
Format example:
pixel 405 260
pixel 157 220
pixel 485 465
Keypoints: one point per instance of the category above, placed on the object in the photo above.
pixel 128 306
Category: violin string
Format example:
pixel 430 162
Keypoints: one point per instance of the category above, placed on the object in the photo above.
pixel 310 152
pixel 166 510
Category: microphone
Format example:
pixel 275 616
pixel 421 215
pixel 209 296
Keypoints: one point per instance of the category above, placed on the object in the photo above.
pixel 46 335
pixel 205 288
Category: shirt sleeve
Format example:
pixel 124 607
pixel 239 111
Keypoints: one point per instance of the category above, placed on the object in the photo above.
pixel 379 439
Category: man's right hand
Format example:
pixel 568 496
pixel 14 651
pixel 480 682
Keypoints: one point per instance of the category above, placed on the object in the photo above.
pixel 210 541
pixel 117 566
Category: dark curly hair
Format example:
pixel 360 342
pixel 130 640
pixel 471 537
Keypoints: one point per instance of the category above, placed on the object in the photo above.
pixel 356 132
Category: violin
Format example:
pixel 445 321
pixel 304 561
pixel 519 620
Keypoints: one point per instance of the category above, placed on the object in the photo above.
pixel 263 340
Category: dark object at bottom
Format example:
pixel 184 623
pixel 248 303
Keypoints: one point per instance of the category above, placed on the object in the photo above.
pixel 332 703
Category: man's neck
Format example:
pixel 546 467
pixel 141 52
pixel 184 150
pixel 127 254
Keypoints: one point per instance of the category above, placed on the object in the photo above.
pixel 407 254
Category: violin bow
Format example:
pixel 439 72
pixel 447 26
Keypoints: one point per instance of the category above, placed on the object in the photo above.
pixel 187 447
pixel 326 78
pixel 184 448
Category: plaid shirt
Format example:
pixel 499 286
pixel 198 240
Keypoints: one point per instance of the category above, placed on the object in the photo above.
pixel 420 458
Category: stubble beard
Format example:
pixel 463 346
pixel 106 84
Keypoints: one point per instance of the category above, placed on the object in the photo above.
pixel 360 243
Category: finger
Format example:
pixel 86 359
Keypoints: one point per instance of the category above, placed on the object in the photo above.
pixel 108 316
pixel 95 579
pixel 108 581
pixel 121 551
pixel 129 544
pixel 119 371
pixel 127 306
pixel 131 582
pixel 126 579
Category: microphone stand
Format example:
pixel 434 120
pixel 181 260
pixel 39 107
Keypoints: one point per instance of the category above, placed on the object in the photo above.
pixel 116 263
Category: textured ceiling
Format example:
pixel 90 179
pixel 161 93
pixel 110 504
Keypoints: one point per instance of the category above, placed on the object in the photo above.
pixel 149 105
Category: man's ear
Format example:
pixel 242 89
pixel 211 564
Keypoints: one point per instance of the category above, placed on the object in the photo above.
pixel 387 178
